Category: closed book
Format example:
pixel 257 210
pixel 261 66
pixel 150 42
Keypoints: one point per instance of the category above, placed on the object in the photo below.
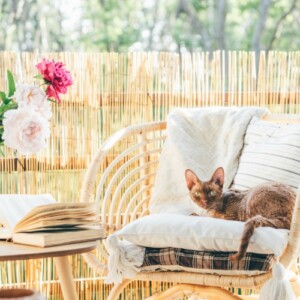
pixel 50 238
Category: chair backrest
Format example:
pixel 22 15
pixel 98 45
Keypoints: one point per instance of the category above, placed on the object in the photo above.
pixel 121 175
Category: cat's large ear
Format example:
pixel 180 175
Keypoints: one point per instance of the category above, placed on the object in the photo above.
pixel 218 177
pixel 190 178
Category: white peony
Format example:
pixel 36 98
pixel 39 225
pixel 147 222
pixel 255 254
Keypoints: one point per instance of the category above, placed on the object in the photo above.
pixel 25 130
pixel 33 96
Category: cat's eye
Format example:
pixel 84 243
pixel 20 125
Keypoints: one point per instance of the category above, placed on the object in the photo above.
pixel 212 193
pixel 197 194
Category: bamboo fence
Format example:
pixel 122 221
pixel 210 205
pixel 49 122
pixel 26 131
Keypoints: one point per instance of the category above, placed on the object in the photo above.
pixel 114 90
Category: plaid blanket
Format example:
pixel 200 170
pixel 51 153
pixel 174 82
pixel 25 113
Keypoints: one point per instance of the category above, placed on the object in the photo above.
pixel 206 260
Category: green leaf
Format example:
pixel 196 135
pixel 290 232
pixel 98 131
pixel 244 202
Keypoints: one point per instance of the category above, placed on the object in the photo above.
pixel 3 97
pixel 49 99
pixel 11 105
pixel 5 107
pixel 39 76
pixel 11 84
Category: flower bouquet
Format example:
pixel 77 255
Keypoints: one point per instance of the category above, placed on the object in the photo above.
pixel 25 111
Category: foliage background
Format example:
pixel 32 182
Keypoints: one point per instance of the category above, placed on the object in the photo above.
pixel 130 25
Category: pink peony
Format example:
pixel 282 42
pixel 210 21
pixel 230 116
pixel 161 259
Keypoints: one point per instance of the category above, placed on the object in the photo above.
pixel 25 130
pixel 56 76
pixel 33 96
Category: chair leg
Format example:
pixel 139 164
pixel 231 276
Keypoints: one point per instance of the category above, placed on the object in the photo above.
pixel 117 290
pixel 180 290
pixel 295 283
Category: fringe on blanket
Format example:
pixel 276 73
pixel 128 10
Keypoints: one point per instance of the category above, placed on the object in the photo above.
pixel 124 259
pixel 278 287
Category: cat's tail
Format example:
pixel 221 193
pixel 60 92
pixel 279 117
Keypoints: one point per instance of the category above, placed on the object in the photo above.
pixel 250 225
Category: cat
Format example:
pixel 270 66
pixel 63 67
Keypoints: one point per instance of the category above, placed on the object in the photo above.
pixel 269 204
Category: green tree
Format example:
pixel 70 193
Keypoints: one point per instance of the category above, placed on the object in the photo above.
pixel 169 25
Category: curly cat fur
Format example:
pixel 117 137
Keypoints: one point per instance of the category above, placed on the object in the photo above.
pixel 269 204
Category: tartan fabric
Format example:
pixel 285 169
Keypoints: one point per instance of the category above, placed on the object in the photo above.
pixel 206 260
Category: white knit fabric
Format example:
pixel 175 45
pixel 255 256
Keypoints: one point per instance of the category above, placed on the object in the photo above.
pixel 124 259
pixel 278 287
pixel 200 139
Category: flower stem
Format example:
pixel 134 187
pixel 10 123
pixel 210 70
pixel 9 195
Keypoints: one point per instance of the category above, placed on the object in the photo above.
pixel 19 161
pixel 24 170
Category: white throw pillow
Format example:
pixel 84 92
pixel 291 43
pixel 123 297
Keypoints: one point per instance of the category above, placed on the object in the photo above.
pixel 271 153
pixel 200 139
pixel 200 233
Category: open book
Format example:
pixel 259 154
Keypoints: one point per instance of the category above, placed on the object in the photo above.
pixel 40 221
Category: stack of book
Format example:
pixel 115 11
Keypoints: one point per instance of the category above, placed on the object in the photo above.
pixel 38 220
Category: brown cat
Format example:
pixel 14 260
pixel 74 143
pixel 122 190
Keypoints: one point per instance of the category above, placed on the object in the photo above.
pixel 269 204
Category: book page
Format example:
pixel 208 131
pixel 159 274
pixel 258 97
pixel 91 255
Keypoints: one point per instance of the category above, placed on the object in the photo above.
pixel 57 207
pixel 44 224
pixel 58 211
pixel 52 215
pixel 14 207
pixel 5 234
pixel 79 213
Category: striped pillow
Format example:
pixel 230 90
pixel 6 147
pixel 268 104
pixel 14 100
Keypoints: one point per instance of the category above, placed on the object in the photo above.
pixel 271 153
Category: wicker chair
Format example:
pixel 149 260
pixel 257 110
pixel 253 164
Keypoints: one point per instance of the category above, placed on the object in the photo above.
pixel 125 167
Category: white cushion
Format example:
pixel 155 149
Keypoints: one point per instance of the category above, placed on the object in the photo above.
pixel 200 139
pixel 271 153
pixel 200 233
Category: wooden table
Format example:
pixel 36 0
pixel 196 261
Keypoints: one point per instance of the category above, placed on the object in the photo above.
pixel 10 251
